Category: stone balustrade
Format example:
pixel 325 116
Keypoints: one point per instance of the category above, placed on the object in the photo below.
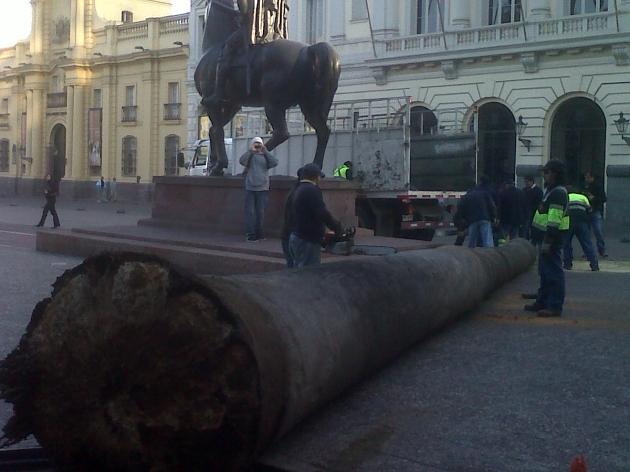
pixel 522 33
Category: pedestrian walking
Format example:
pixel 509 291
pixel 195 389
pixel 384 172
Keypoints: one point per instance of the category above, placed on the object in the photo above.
pixel 288 224
pixel 113 190
pixel 478 209
pixel 512 211
pixel 50 193
pixel 533 197
pixel 579 226
pixel 257 162
pixel 344 171
pixel 100 190
pixel 597 197
pixel 311 219
pixel 552 221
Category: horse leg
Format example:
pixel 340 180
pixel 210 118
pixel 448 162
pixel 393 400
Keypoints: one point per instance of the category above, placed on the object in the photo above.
pixel 317 118
pixel 277 117
pixel 217 138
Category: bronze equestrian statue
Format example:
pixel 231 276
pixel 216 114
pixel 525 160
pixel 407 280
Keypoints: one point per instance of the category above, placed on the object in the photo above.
pixel 247 61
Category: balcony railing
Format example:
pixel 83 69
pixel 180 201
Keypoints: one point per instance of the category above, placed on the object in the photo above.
pixel 57 100
pixel 4 121
pixel 129 114
pixel 560 29
pixel 172 111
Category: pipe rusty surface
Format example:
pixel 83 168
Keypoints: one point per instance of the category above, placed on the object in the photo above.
pixel 158 369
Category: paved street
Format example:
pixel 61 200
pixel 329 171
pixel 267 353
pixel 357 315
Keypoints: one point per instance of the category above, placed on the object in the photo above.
pixel 26 275
pixel 499 391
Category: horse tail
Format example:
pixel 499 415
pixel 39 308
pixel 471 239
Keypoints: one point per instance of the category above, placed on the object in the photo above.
pixel 325 67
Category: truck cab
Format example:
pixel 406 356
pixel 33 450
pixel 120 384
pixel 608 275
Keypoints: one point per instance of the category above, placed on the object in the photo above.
pixel 200 162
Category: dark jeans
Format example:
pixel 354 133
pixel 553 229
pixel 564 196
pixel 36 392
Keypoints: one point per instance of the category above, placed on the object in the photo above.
pixel 597 223
pixel 583 234
pixel 304 253
pixel 287 253
pixel 551 291
pixel 480 232
pixel 255 204
pixel 50 207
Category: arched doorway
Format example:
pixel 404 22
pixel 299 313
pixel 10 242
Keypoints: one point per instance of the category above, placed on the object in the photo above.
pixel 496 142
pixel 57 163
pixel 578 137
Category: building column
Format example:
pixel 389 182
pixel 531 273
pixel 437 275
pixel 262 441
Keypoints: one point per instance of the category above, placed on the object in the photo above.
pixel 79 154
pixel 70 131
pixel 385 18
pixel 460 15
pixel 539 9
pixel 108 164
pixel 37 43
pixel 38 168
pixel 29 130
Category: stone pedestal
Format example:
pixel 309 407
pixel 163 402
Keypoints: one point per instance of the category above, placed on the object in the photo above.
pixel 218 203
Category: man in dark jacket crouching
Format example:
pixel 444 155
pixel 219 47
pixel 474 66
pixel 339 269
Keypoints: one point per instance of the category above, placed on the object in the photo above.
pixel 310 218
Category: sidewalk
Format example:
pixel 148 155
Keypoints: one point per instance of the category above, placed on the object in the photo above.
pixel 72 213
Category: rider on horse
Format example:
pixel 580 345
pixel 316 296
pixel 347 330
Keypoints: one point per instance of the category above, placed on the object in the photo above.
pixel 262 21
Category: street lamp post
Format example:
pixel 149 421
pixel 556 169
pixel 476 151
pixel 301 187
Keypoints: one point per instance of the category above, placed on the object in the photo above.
pixel 622 127
pixel 521 126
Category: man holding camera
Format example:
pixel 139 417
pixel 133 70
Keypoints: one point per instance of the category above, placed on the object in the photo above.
pixel 257 162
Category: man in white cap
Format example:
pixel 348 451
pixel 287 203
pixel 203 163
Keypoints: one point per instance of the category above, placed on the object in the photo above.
pixel 257 162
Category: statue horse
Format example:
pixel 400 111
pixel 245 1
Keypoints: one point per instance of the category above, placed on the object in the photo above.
pixel 275 75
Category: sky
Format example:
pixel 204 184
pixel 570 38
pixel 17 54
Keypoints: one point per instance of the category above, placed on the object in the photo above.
pixel 16 24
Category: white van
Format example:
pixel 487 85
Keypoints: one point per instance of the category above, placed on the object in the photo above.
pixel 200 164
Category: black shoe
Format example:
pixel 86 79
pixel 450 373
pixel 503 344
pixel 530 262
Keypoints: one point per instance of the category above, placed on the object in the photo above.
pixel 56 226
pixel 549 313
pixel 568 267
pixel 594 269
pixel 529 296
pixel 39 225
pixel 534 307
pixel 603 254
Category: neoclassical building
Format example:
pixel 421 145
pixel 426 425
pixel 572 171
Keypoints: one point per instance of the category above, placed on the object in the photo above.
pixel 561 65
pixel 96 90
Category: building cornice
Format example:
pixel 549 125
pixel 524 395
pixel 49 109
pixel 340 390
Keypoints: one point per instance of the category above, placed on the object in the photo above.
pixel 528 55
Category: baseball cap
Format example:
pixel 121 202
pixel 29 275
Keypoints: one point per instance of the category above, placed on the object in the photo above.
pixel 310 171
pixel 257 140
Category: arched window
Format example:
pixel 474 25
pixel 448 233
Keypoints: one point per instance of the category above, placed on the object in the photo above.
pixel 129 156
pixel 428 18
pixel 4 155
pixel 580 7
pixel 171 148
pixel 423 121
pixel 504 11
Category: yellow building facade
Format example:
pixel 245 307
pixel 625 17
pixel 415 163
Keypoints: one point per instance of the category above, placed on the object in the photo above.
pixel 95 91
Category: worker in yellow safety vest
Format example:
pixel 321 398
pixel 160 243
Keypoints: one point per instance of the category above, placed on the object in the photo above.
pixel 580 215
pixel 551 221
pixel 344 171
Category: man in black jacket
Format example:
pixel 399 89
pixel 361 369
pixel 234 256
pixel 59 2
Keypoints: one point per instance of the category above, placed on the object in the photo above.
pixel 310 217
pixel 533 197
pixel 479 211
pixel 50 192
pixel 597 197
pixel 512 212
